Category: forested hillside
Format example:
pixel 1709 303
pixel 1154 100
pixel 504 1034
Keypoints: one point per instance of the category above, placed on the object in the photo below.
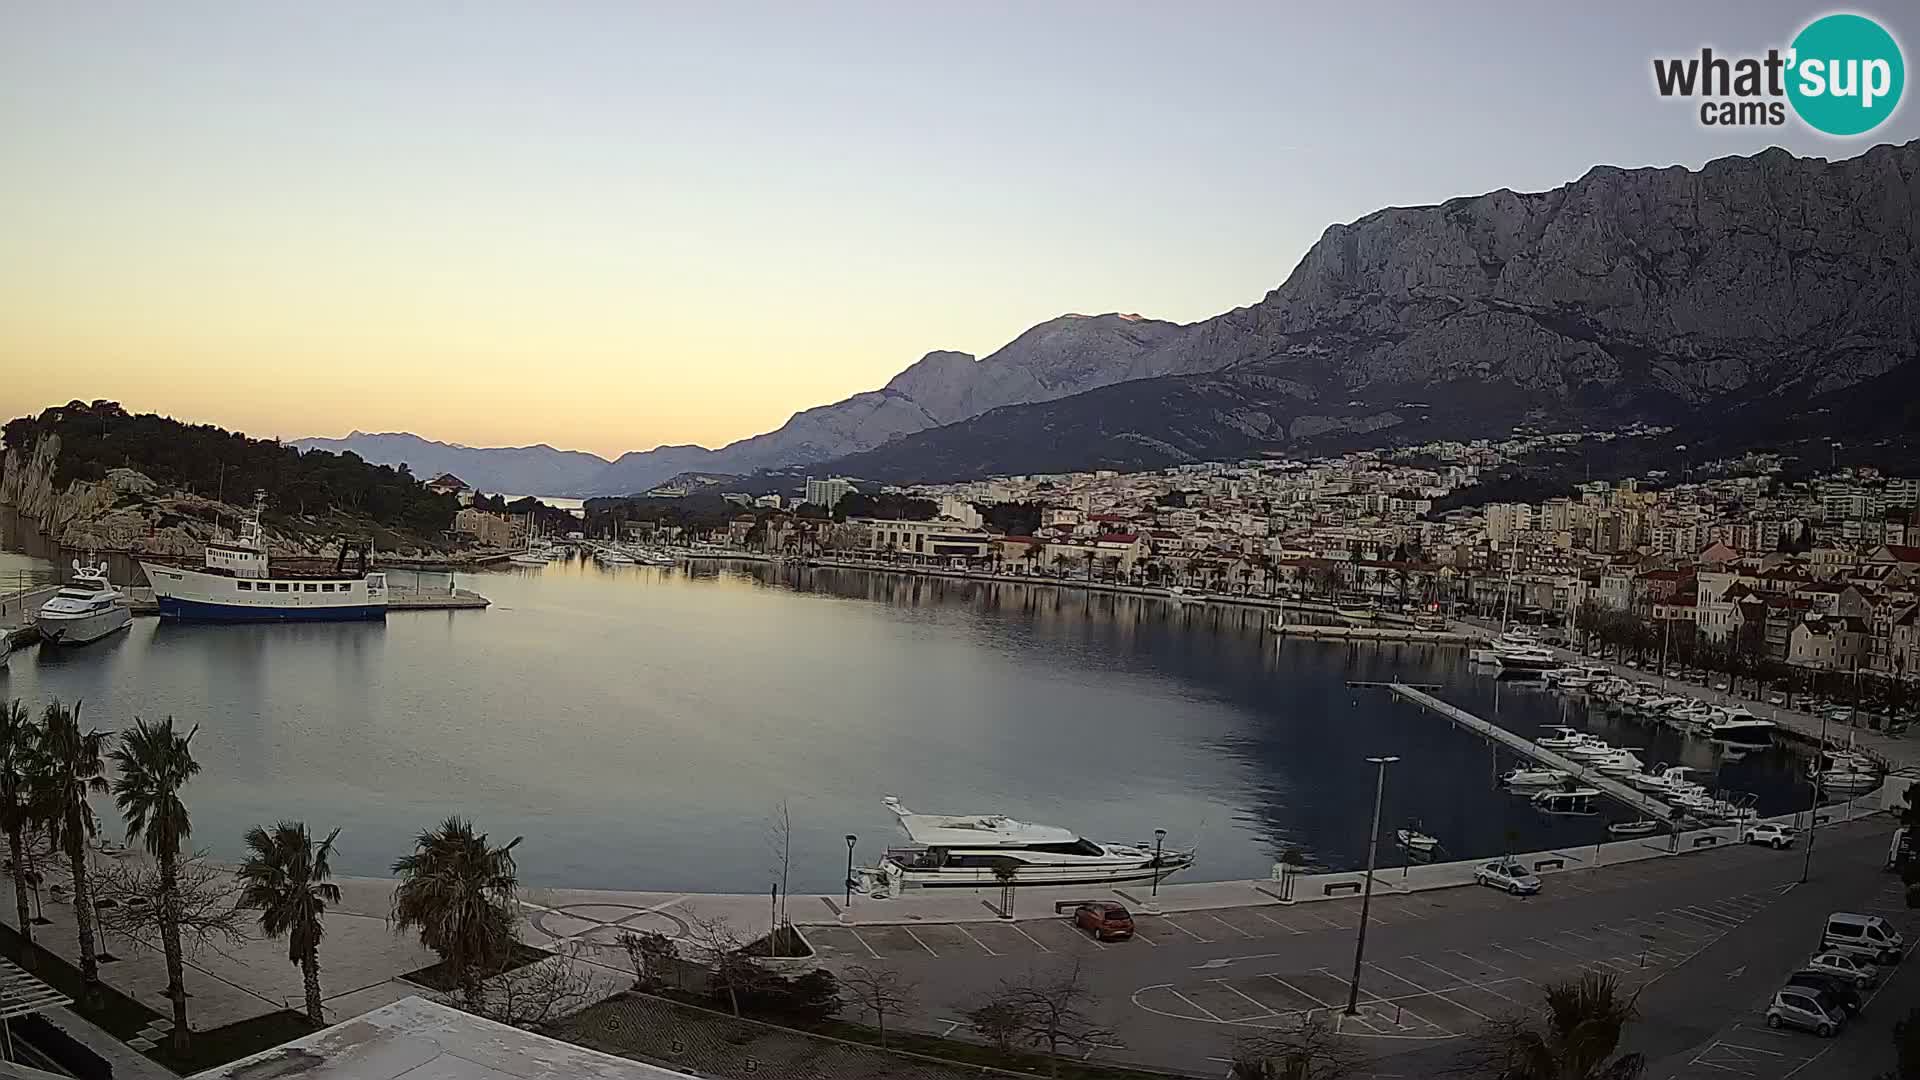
pixel 215 463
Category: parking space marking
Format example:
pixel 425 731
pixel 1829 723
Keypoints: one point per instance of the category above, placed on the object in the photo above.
pixel 1551 945
pixel 1298 991
pixel 1258 1004
pixel 1015 927
pixel 1278 923
pixel 922 944
pixel 1417 988
pixel 1228 925
pixel 1202 940
pixel 1488 964
pixel 1203 1010
pixel 975 940
pixel 863 942
pixel 1516 952
pixel 1452 978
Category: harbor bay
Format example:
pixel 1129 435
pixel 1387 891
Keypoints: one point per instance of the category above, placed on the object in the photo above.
pixel 641 726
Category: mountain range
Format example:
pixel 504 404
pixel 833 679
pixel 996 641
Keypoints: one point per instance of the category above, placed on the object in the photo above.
pixel 1758 298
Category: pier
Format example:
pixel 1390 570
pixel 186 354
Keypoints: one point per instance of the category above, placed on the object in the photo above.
pixel 1607 785
pixel 1368 633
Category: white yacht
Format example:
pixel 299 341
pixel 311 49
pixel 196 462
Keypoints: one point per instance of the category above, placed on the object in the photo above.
pixel 611 556
pixel 1849 773
pixel 86 609
pixel 1668 780
pixel 1621 763
pixel 1562 738
pixel 1577 800
pixel 1738 725
pixel 1525 777
pixel 961 851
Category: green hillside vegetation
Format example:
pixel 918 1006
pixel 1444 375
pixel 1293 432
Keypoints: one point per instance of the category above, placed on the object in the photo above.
pixel 215 463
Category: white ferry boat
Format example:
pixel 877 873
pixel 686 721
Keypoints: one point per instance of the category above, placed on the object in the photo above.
pixel 237 585
pixel 956 851
pixel 86 609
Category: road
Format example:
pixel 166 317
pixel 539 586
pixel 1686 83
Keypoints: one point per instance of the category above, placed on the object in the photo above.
pixel 1705 938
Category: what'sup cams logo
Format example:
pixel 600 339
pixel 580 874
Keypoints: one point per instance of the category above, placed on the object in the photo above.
pixel 1842 75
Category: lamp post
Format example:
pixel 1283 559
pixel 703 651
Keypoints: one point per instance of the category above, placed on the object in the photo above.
pixel 851 840
pixel 1813 816
pixel 1159 836
pixel 1366 892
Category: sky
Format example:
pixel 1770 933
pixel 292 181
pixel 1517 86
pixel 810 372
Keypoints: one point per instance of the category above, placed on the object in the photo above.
pixel 613 225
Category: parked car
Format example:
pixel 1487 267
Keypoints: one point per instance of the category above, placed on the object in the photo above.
pixel 1868 936
pixel 1842 990
pixel 1774 836
pixel 1104 919
pixel 1808 1010
pixel 1777 700
pixel 1722 685
pixel 1862 971
pixel 1507 875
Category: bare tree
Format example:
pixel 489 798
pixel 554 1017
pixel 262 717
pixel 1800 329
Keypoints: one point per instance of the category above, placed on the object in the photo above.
pixel 730 969
pixel 529 996
pixel 1310 1050
pixel 1051 1010
pixel 204 902
pixel 652 954
pixel 996 1021
pixel 881 991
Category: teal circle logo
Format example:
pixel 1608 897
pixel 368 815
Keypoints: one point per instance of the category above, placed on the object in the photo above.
pixel 1847 74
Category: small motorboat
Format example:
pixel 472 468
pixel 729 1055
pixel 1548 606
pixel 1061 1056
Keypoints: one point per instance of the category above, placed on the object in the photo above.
pixel 1415 840
pixel 1524 777
pixel 1633 828
pixel 1562 738
pixel 1578 800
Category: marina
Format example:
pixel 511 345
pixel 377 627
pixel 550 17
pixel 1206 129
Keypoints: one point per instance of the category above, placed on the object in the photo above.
pixel 651 705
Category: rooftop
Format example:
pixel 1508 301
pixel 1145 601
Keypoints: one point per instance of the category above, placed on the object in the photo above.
pixel 418 1038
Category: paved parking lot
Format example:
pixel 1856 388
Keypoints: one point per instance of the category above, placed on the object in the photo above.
pixel 1272 923
pixel 1747 1048
pixel 1440 994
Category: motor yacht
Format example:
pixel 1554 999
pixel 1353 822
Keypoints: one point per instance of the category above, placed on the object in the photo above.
pixel 1621 763
pixel 1561 738
pixel 987 850
pixel 1664 780
pixel 1591 749
pixel 1529 659
pixel 1415 840
pixel 86 609
pixel 1525 777
pixel 1578 800
pixel 1738 725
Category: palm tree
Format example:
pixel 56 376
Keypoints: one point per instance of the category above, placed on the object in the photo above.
pixel 286 877
pixel 67 770
pixel 458 893
pixel 155 762
pixel 19 736
pixel 1572 1038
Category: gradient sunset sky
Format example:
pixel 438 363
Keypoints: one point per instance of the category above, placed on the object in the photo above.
pixel 612 225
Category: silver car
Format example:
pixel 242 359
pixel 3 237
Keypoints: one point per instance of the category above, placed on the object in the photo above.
pixel 1808 1010
pixel 1858 970
pixel 1507 875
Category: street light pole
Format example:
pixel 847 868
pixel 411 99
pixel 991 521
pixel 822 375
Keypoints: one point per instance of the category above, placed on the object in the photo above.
pixel 1813 816
pixel 1366 892
pixel 851 840
pixel 1159 835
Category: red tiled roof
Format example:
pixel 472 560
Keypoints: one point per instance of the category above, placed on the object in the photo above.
pixel 1119 538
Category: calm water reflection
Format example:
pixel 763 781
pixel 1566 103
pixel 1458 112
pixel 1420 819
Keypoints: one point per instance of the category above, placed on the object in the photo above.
pixel 639 725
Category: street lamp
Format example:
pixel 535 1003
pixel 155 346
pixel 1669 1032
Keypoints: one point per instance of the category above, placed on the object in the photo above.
pixel 1159 836
pixel 851 840
pixel 1366 892
pixel 1813 816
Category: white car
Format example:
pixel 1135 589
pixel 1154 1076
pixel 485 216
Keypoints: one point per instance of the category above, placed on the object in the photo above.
pixel 1507 876
pixel 1776 700
pixel 1722 686
pixel 1774 836
pixel 1862 972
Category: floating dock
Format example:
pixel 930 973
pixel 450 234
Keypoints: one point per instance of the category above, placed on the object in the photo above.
pixel 1368 633
pixel 1607 785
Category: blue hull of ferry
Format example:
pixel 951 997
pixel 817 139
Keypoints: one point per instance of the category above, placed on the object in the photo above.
pixel 201 611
